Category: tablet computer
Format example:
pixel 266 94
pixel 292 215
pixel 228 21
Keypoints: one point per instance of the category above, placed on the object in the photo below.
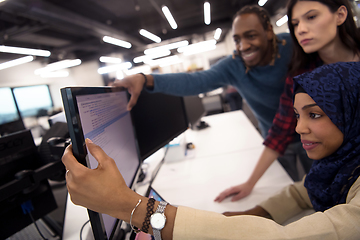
pixel 99 113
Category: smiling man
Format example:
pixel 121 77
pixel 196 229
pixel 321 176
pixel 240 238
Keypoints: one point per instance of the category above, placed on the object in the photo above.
pixel 257 69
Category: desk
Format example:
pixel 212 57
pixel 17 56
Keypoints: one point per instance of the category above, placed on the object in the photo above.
pixel 225 154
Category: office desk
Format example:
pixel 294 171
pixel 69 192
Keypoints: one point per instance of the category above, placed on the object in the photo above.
pixel 225 154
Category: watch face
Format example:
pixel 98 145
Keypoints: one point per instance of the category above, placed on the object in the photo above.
pixel 157 221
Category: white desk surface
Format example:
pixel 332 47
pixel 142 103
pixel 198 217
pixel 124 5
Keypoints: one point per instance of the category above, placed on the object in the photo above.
pixel 196 182
pixel 228 132
pixel 225 154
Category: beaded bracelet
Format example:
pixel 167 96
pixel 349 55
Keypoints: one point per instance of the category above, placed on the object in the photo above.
pixel 135 229
pixel 149 212
pixel 146 80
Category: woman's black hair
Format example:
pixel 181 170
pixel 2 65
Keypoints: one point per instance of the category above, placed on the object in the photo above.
pixel 348 33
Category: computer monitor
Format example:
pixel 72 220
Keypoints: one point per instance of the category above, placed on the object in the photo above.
pixel 99 113
pixel 194 110
pixel 33 100
pixel 158 118
pixel 10 119
pixel 23 184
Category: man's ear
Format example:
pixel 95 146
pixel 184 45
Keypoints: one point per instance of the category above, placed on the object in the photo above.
pixel 270 32
pixel 342 14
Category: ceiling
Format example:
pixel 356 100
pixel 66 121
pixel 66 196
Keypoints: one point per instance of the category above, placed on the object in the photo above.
pixel 75 28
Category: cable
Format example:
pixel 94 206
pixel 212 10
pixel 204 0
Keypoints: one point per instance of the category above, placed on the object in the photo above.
pixel 37 228
pixel 82 228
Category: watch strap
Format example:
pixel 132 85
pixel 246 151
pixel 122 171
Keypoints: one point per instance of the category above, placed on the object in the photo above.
pixel 160 209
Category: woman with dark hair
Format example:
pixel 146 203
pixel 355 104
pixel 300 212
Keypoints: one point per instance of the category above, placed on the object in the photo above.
pixel 323 32
pixel 348 34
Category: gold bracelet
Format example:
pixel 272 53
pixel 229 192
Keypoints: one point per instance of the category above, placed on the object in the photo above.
pixel 135 229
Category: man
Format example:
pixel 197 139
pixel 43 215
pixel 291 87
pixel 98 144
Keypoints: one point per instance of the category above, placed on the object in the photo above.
pixel 257 69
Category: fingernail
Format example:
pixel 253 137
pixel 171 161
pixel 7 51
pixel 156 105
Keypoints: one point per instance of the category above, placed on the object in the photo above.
pixel 88 140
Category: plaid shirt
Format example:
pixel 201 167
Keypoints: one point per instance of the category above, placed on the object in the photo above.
pixel 282 131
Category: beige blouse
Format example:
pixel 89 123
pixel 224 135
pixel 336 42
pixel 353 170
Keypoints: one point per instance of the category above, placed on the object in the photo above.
pixel 339 222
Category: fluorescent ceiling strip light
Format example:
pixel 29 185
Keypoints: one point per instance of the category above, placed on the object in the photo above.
pixel 16 62
pixel 58 66
pixel 200 50
pixel 119 75
pixel 143 69
pixel 110 60
pixel 163 60
pixel 165 64
pixel 26 51
pixel 148 57
pixel 114 68
pixel 207 15
pixel 282 21
pixel 117 42
pixel 217 34
pixel 262 2
pixel 198 47
pixel 56 74
pixel 150 35
pixel 169 17
pixel 170 46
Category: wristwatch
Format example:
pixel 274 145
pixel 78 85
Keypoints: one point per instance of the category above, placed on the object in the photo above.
pixel 158 220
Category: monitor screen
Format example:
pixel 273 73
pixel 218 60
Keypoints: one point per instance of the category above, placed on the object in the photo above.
pixel 158 118
pixel 100 114
pixel 33 99
pixel 10 120
pixel 8 110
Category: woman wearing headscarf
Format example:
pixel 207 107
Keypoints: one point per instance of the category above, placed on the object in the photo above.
pixel 327 106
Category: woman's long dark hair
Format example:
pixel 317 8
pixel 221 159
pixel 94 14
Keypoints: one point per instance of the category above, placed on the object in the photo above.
pixel 348 32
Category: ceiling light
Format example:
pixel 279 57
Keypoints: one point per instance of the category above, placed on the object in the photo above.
pixel 281 21
pixel 217 34
pixel 56 74
pixel 144 69
pixel 207 17
pixel 114 68
pixel 117 42
pixel 58 66
pixel 262 2
pixel 150 36
pixel 169 17
pixel 119 75
pixel 26 51
pixel 165 64
pixel 198 47
pixel 161 53
pixel 16 62
pixel 163 60
pixel 170 46
pixel 110 60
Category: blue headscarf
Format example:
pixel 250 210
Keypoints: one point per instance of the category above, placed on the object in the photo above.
pixel 336 90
